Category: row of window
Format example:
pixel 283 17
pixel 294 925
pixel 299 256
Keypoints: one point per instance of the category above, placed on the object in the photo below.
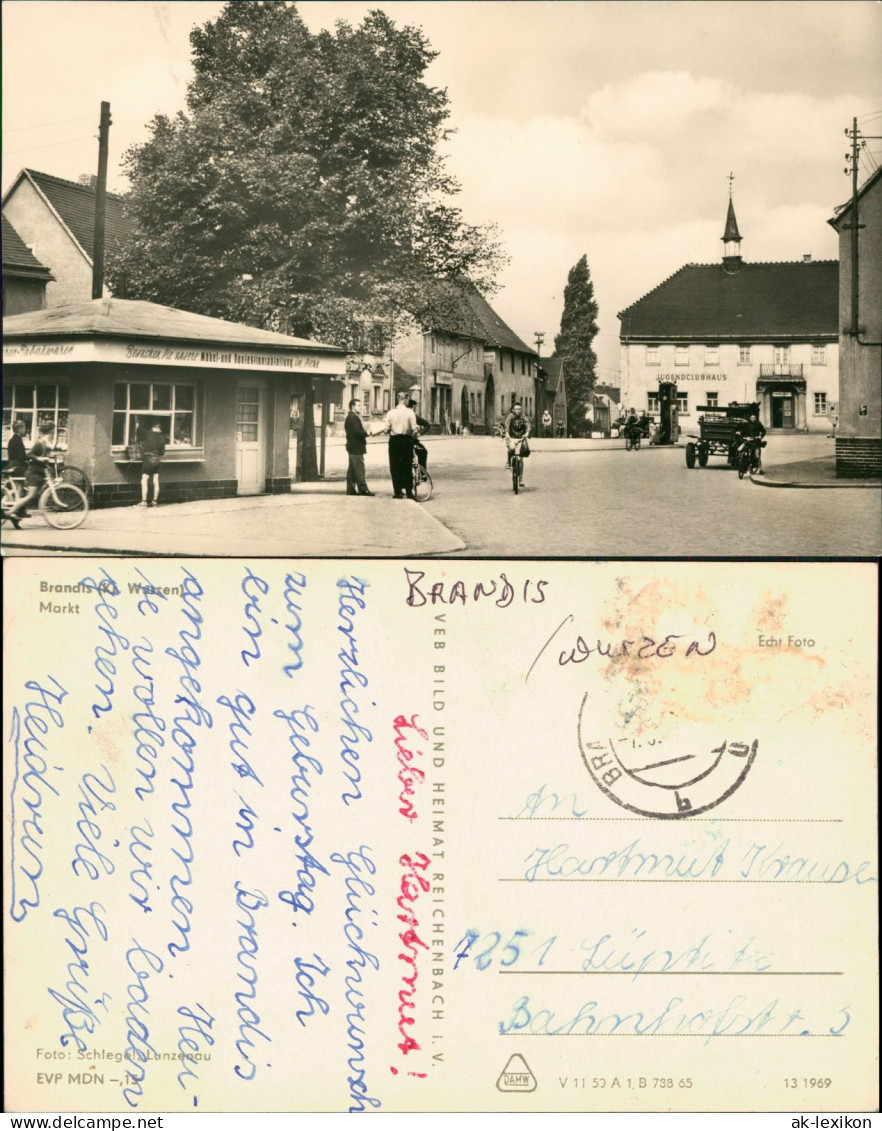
pixel 712 355
pixel 525 402
pixel 526 364
pixel 137 405
pixel 35 405
pixel 711 400
pixel 374 401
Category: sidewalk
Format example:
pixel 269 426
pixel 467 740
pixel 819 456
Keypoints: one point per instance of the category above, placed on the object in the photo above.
pixel 809 473
pixel 308 524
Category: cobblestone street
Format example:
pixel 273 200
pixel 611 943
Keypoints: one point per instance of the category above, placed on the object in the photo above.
pixel 594 499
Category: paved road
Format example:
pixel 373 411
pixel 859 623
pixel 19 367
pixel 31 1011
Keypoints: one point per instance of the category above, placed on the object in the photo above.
pixel 606 502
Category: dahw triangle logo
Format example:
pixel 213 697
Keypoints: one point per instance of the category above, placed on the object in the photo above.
pixel 516 1076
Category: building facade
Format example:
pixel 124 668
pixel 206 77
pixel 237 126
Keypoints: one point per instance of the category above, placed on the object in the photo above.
pixel 738 332
pixel 555 392
pixel 56 219
pixel 859 434
pixel 25 278
pixel 469 366
pixel 231 400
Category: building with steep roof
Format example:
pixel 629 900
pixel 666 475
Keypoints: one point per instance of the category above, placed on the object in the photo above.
pixel 25 278
pixel 56 219
pixel 737 331
pixel 859 435
pixel 555 392
pixel 468 364
pixel 233 402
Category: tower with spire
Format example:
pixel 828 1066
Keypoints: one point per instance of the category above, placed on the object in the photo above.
pixel 731 236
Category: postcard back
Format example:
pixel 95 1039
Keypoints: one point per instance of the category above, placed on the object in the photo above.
pixel 439 836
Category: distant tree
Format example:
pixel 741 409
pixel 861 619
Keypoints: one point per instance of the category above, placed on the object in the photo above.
pixel 303 190
pixel 578 328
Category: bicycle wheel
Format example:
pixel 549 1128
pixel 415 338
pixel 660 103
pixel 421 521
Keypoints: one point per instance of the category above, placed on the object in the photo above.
pixel 515 473
pixel 78 477
pixel 743 464
pixel 422 484
pixel 628 443
pixel 10 495
pixel 64 506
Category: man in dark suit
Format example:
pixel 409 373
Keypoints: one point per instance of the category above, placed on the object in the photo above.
pixel 356 446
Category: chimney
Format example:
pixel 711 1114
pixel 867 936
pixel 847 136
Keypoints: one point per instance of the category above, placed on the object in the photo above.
pixel 807 258
pixel 88 180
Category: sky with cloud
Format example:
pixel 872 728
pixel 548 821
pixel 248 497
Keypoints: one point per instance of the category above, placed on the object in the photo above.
pixel 600 128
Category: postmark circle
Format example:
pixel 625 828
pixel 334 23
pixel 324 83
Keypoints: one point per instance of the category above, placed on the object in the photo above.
pixel 667 787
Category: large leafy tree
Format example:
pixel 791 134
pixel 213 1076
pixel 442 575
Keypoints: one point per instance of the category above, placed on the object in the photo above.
pixel 578 328
pixel 303 189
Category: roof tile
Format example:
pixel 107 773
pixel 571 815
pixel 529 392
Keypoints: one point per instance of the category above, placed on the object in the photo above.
pixel 128 318
pixel 16 252
pixel 758 300
pixel 75 204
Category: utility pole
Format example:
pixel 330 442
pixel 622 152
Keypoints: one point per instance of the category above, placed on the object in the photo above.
pixel 100 196
pixel 858 142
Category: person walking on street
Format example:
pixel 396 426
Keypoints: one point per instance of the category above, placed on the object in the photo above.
pixel 401 424
pixel 152 451
pixel 35 474
pixel 16 453
pixel 356 446
pixel 546 422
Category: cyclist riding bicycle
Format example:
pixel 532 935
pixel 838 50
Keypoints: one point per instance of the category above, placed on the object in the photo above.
pixel 38 459
pixel 752 431
pixel 517 427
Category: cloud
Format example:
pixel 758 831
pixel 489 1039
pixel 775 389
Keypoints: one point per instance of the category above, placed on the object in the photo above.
pixel 637 179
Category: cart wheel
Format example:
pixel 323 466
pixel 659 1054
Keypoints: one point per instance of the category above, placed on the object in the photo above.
pixel 703 454
pixel 690 456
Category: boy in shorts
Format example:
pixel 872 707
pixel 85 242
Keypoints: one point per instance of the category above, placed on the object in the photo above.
pixel 152 451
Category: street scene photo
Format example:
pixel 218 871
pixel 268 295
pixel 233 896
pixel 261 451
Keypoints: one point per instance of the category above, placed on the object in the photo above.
pixel 460 278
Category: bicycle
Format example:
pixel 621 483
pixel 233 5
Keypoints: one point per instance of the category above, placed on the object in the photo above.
pixel 422 481
pixel 517 464
pixel 748 456
pixel 75 475
pixel 63 505
pixel 632 438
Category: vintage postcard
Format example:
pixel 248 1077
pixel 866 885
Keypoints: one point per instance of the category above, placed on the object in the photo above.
pixel 439 836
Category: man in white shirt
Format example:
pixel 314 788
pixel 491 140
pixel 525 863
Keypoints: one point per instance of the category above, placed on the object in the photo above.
pixel 401 424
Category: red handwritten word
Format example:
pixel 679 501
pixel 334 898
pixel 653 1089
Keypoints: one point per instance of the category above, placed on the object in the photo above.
pixel 413 883
pixel 408 774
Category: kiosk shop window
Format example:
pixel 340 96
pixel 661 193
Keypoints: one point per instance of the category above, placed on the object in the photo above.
pixel 35 404
pixel 137 405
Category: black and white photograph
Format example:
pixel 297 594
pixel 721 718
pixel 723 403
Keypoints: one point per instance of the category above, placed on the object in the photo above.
pixel 559 279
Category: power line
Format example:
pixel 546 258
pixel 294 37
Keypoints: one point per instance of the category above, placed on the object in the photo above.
pixel 43 125
pixel 52 145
